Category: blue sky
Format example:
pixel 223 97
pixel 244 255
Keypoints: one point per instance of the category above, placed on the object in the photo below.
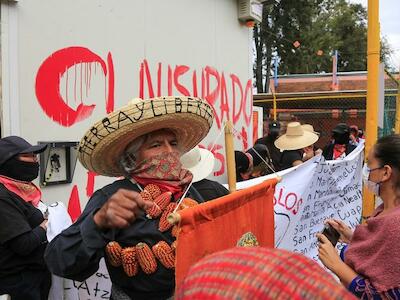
pixel 390 25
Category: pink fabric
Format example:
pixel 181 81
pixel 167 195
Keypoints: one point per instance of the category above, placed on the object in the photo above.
pixel 374 251
pixel 28 191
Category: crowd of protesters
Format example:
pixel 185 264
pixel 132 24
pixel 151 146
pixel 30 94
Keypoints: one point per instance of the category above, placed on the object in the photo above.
pixel 277 150
pixel 158 160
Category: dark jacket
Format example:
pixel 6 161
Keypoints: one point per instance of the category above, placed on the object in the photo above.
pixel 22 240
pixel 288 157
pixel 76 252
pixel 210 190
pixel 274 154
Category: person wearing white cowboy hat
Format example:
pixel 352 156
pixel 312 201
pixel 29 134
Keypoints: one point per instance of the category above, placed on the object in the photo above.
pixel 200 162
pixel 293 143
pixel 126 220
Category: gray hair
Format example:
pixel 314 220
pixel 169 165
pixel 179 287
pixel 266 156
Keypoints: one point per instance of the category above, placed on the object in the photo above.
pixel 128 159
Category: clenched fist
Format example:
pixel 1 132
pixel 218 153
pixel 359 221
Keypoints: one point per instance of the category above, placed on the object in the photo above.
pixel 120 210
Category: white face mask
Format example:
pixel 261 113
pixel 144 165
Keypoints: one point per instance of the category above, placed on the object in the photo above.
pixel 374 187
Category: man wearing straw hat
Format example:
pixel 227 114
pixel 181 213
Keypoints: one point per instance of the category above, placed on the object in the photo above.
pixel 126 220
pixel 293 144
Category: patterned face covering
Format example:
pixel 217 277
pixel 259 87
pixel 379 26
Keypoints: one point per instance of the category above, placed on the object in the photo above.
pixel 164 170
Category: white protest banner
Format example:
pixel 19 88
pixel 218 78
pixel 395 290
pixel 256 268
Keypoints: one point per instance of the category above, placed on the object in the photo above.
pixel 311 193
pixel 307 195
pixel 97 286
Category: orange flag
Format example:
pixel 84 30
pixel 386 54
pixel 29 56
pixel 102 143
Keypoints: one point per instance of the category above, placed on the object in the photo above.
pixel 243 216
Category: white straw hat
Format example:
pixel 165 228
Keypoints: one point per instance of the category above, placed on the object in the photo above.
pixel 295 138
pixel 102 146
pixel 199 161
pixel 310 128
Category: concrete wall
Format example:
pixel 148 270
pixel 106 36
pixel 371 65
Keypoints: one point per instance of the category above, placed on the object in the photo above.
pixel 66 63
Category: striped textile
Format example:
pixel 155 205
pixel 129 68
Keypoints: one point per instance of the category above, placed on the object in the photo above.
pixel 259 273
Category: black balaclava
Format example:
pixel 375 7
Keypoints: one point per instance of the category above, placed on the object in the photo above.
pixel 274 130
pixel 20 170
pixel 341 134
pixel 242 164
pixel 341 138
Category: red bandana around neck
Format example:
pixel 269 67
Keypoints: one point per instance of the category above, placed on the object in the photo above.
pixel 28 191
pixel 164 170
pixel 338 151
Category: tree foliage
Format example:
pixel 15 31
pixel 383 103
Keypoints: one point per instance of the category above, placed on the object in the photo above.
pixel 320 27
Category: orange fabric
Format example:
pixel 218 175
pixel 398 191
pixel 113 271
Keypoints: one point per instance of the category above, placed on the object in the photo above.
pixel 255 126
pixel 219 224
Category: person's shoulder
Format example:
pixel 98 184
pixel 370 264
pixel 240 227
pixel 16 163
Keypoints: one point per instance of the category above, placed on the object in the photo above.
pixel 292 154
pixel 328 146
pixel 9 199
pixel 5 195
pixel 351 147
pixel 212 184
pixel 263 140
pixel 206 183
pixel 327 150
pixel 3 191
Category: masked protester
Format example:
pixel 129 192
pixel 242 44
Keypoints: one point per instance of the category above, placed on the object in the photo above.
pixel 274 154
pixel 243 165
pixel 23 273
pixel 126 221
pixel 340 146
pixel 261 157
pixel 370 266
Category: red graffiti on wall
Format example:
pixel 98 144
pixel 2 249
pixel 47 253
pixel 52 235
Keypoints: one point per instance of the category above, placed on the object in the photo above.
pixel 213 89
pixel 208 83
pixel 213 86
pixel 48 84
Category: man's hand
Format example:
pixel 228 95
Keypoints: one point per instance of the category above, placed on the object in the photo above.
pixel 120 210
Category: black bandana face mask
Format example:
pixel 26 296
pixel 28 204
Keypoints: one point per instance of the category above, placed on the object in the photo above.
pixel 341 138
pixel 20 170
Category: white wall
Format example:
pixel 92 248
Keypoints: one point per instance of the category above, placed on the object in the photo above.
pixel 203 35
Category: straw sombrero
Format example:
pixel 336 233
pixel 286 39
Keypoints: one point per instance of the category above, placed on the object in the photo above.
pixel 295 138
pixel 103 144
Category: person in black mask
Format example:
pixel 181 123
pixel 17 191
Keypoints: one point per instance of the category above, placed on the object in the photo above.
pixel 243 165
pixel 340 146
pixel 23 273
pixel 274 154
